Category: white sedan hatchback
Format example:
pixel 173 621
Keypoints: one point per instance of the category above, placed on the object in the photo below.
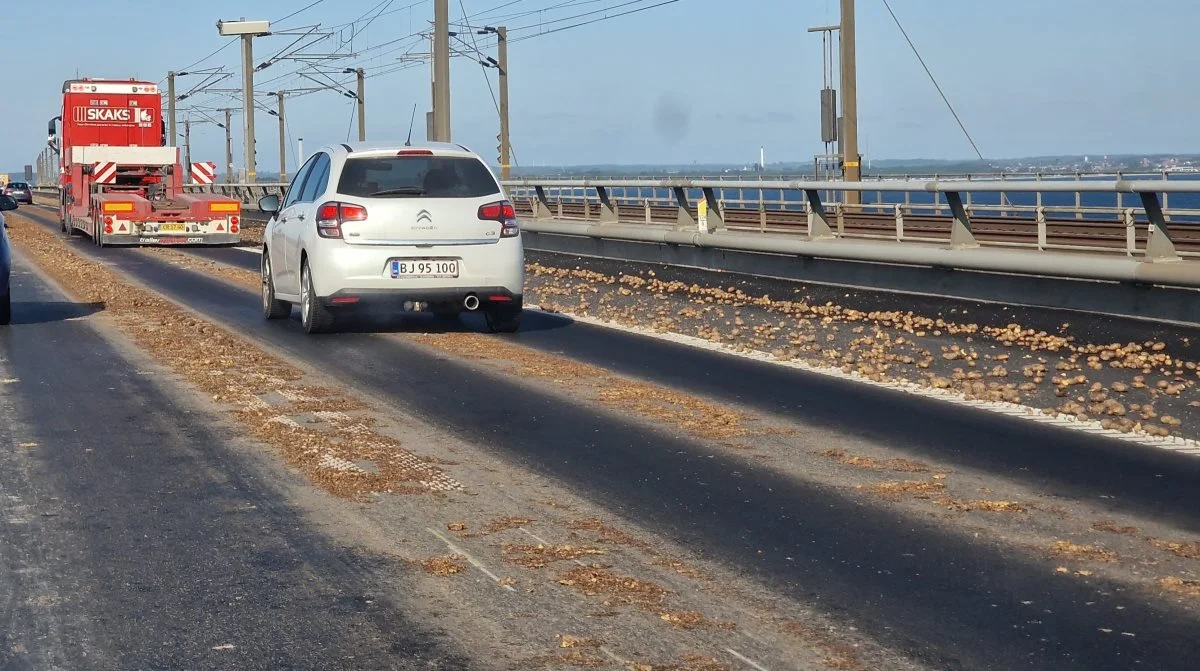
pixel 383 227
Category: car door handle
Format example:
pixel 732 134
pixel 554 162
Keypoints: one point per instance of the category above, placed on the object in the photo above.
pixel 300 217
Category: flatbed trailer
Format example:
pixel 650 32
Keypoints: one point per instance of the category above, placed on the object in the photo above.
pixel 119 182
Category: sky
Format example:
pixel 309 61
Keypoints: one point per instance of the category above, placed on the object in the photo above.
pixel 706 81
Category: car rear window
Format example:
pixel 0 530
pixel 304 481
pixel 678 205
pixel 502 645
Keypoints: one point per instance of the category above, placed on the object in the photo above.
pixel 417 177
pixel 19 185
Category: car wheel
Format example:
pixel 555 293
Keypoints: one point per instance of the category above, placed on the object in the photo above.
pixel 272 308
pixel 6 309
pixel 315 318
pixel 503 319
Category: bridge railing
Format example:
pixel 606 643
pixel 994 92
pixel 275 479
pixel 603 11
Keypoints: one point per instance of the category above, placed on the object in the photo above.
pixel 1131 236
pixel 948 223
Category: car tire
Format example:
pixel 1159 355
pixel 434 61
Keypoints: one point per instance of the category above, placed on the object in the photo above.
pixel 315 318
pixel 503 319
pixel 6 309
pixel 272 307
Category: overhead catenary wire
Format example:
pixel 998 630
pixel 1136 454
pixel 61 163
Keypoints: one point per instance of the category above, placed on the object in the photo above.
pixel 592 21
pixel 933 79
pixel 375 58
pixel 298 11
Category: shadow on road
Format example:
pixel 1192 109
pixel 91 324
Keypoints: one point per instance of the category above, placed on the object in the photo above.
pixel 42 312
pixel 421 322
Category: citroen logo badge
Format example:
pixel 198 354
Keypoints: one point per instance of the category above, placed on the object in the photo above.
pixel 424 215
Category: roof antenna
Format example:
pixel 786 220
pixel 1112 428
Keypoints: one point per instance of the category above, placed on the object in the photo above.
pixel 408 142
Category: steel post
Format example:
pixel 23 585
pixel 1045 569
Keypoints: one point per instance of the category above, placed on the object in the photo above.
pixel 171 110
pixel 849 76
pixel 505 139
pixel 960 231
pixel 282 140
pixel 228 146
pixel 362 105
pixel 187 149
pixel 441 70
pixel 1159 246
pixel 248 105
pixel 818 220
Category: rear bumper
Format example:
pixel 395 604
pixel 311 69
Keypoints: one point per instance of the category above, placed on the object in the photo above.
pixel 362 269
pixel 173 240
pixel 394 299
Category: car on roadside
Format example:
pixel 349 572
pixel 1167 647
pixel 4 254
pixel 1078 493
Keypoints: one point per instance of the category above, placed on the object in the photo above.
pixel 21 191
pixel 370 227
pixel 7 204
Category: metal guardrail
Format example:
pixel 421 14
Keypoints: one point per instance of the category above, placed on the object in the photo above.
pixel 704 224
pixel 701 213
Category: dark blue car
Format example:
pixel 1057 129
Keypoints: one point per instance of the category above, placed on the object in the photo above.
pixel 7 203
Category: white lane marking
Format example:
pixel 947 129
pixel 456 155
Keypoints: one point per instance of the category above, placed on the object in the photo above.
pixel 546 543
pixel 286 421
pixel 745 659
pixel 254 250
pixel 474 562
pixel 1178 444
pixel 333 463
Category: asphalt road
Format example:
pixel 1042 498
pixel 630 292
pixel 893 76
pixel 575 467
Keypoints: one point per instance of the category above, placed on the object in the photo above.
pixel 132 536
pixel 949 602
pixel 1136 479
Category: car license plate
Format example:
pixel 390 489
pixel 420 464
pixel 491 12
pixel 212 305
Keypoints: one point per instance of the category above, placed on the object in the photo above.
pixel 424 268
pixel 172 227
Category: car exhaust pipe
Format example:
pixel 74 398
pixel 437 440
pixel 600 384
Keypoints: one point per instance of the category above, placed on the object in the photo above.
pixel 471 302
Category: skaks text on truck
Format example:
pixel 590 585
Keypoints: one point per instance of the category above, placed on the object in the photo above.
pixel 120 182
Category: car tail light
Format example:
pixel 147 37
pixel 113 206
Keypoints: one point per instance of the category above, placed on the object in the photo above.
pixel 331 216
pixel 503 212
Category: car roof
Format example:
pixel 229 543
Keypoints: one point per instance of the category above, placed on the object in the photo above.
pixel 351 149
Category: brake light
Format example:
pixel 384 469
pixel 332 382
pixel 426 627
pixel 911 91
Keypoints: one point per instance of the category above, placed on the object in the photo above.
pixel 108 222
pixel 414 152
pixel 331 216
pixel 233 224
pixel 504 213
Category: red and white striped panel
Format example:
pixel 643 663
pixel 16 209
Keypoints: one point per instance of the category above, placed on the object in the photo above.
pixel 204 173
pixel 104 172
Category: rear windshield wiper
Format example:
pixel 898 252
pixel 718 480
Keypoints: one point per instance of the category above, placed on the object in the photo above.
pixel 401 190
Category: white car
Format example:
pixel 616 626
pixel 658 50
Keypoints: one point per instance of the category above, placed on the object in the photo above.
pixel 7 203
pixel 390 227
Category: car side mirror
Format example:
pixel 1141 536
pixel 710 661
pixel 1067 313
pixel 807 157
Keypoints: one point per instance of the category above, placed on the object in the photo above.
pixel 8 203
pixel 268 204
